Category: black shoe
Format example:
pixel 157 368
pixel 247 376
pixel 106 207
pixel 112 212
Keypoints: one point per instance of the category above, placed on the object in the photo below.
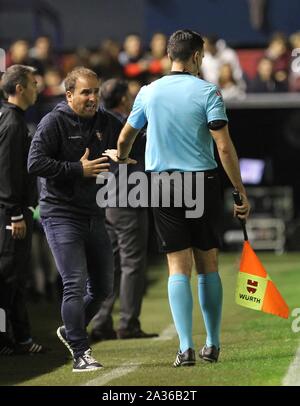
pixel 30 348
pixel 210 354
pixel 124 334
pixel 103 335
pixel 185 359
pixel 7 346
pixel 7 349
pixel 61 334
pixel 86 363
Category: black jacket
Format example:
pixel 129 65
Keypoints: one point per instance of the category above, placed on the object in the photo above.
pixel 17 188
pixel 58 144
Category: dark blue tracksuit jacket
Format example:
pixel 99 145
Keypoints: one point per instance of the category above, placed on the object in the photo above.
pixel 57 146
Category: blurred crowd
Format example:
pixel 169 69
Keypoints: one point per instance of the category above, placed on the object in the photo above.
pixel 236 72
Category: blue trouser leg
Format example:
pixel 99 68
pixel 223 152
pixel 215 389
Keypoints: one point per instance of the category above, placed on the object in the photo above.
pixel 99 257
pixel 83 256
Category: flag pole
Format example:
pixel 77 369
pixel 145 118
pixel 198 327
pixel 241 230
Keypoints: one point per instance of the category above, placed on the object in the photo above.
pixel 238 201
pixel 253 282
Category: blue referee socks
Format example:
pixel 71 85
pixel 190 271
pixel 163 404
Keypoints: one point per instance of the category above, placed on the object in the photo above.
pixel 210 295
pixel 181 303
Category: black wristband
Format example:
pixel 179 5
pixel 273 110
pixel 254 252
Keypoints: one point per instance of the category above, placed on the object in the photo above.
pixel 121 159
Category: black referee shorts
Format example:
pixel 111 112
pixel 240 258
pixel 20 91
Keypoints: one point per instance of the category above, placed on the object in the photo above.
pixel 176 232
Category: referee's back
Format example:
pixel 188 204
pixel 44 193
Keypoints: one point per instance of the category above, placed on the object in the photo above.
pixel 178 108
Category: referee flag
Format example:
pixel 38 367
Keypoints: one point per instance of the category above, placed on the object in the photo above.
pixel 254 287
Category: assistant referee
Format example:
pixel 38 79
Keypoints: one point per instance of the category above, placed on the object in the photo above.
pixel 185 115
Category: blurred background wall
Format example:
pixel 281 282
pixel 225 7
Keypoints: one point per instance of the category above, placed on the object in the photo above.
pixel 81 23
pixel 87 23
pixel 228 19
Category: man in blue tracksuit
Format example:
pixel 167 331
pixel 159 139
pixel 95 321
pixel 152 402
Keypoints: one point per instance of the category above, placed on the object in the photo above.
pixel 66 153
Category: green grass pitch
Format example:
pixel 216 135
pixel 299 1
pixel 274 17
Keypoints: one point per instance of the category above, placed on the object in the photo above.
pixel 257 348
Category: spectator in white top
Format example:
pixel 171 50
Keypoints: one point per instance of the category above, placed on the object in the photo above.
pixel 216 54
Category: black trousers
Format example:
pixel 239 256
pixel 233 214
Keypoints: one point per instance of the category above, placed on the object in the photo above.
pixel 14 260
pixel 128 231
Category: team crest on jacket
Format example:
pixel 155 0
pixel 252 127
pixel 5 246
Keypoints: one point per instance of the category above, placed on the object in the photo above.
pixel 99 135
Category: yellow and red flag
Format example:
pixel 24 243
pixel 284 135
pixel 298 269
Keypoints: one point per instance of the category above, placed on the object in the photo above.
pixel 255 288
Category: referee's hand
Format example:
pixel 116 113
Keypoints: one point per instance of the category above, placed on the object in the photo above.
pixel 18 230
pixel 92 168
pixel 242 212
pixel 113 155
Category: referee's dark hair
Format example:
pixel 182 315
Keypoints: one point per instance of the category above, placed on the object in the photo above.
pixel 112 91
pixel 183 43
pixel 15 75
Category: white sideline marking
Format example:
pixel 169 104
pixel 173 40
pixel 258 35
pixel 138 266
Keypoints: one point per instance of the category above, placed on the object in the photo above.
pixel 292 377
pixel 124 369
pixel 167 334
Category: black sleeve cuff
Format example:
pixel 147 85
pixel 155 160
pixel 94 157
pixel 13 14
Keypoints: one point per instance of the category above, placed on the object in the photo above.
pixel 216 124
pixel 76 169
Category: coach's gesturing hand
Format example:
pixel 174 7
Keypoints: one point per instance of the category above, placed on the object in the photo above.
pixel 92 168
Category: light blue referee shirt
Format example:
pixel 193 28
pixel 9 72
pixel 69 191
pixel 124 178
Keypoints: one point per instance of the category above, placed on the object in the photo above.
pixel 178 108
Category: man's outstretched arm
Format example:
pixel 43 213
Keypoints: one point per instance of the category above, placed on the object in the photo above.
pixel 230 163
pixel 125 142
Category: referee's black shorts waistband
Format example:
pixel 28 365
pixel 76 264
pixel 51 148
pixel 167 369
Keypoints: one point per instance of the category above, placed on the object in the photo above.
pixel 206 172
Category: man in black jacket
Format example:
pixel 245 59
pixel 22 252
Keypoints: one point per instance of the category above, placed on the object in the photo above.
pixel 66 152
pixel 128 231
pixel 17 195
